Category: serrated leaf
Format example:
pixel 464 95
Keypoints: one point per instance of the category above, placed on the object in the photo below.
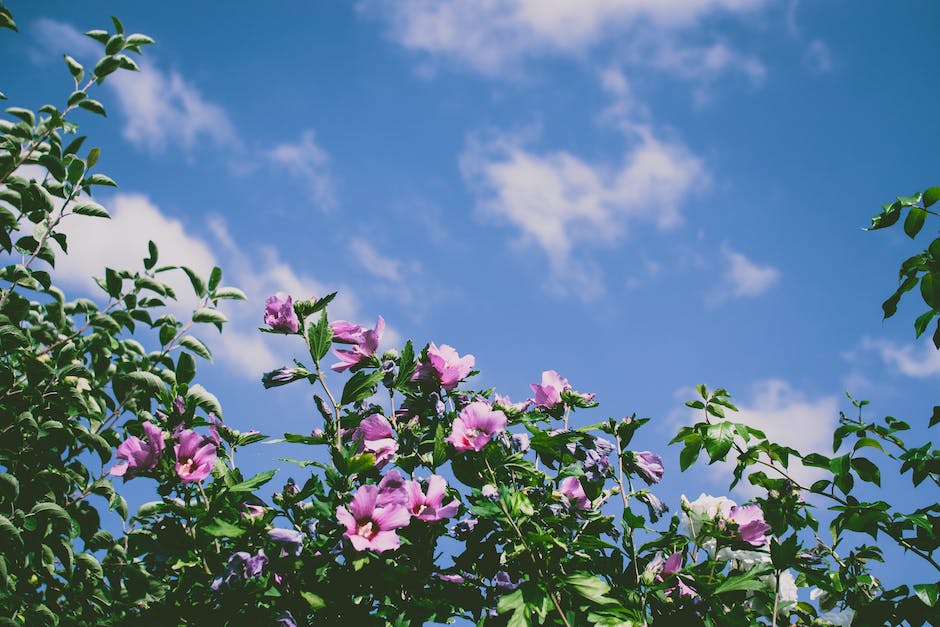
pixel 254 483
pixel 927 592
pixel 320 337
pixel 745 581
pixel 221 529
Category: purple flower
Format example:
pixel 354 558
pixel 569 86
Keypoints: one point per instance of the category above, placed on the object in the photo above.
pixel 347 332
pixel 140 455
pixel 502 581
pixel 195 458
pixel 365 344
pixel 291 539
pixel 751 526
pixel 369 526
pixel 450 578
pixel 252 512
pixel 572 490
pixel 475 426
pixel 519 442
pixel 279 314
pixel 463 528
pixel 241 565
pixel 392 490
pixel 655 506
pixel 282 376
pixel 503 401
pixel 377 437
pixel 596 460
pixel 179 405
pixel 670 567
pixel 428 506
pixel 548 394
pixel 649 466
pixel 445 366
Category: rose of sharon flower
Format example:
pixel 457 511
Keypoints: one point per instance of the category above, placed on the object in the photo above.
pixel 195 458
pixel 369 526
pixel 291 540
pixel 573 491
pixel 428 507
pixel 475 426
pixel 672 566
pixel 392 490
pixel 548 394
pixel 445 366
pixel 140 456
pixel 649 466
pixel 751 526
pixel 279 314
pixel 377 437
pixel 365 344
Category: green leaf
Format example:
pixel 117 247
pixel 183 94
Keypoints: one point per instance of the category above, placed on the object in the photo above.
pixel 935 418
pixel 927 592
pixel 360 386
pixel 890 306
pixel 866 470
pixel 199 286
pixel 931 196
pixel 205 314
pixel 231 293
pixel 6 20
pixel 314 601
pixel 406 365
pixel 745 581
pixel 930 289
pixel 320 336
pixel 204 399
pixel 222 529
pixel 689 454
pixel 914 221
pixel 196 346
pixel 254 483
pixel 90 563
pixel 92 209
pixel 718 440
pixel 75 68
pixel 923 320
pixel 888 216
pixel 151 260
pixel 9 530
pixel 215 277
pixel 590 587
pixel 360 463
pixel 24 114
pixel 147 381
pixel 92 105
pixel 185 368
pixel 54 510
pixel 106 66
pixel 99 179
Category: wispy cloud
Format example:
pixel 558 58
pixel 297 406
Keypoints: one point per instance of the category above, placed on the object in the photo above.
pixel 920 360
pixel 379 265
pixel 310 163
pixel 742 278
pixel 496 36
pixel 561 202
pixel 817 57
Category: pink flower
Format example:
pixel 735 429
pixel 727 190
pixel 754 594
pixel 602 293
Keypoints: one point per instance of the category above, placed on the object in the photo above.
pixel 365 343
pixel 573 491
pixel 445 366
pixel 475 425
pixel 392 489
pixel 548 394
pixel 649 466
pixel 347 332
pixel 195 458
pixel 427 507
pixel 751 526
pixel 377 437
pixel 503 401
pixel 670 567
pixel 279 314
pixel 369 526
pixel 140 456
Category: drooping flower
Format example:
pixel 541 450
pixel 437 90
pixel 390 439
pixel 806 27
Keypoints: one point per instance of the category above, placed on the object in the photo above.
pixel 375 435
pixel 195 458
pixel 291 540
pixel 503 401
pixel 369 526
pixel 139 455
pixel 502 581
pixel 751 526
pixel 429 506
pixel 445 366
pixel 548 394
pixel 365 344
pixel 241 566
pixel 649 466
pixel 596 462
pixel 347 332
pixel 572 490
pixel 279 314
pixel 519 442
pixel 392 490
pixel 283 376
pixel 475 426
pixel 655 506
pixel 252 512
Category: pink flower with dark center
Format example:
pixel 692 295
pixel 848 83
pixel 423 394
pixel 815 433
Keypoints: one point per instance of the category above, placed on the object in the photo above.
pixel 428 507
pixel 140 455
pixel 573 491
pixel 195 458
pixel 475 426
pixel 365 344
pixel 369 526
pixel 376 436
pixel 445 366
pixel 649 466
pixel 548 394
pixel 279 314
pixel 751 526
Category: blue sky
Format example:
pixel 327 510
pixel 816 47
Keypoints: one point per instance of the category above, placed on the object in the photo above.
pixel 641 195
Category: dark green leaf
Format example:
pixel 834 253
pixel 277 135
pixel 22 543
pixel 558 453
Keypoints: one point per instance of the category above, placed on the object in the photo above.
pixel 320 336
pixel 254 483
pixel 204 399
pixel 914 221
pixel 91 209
pixel 92 105
pixel 222 529
pixel 927 592
pixel 888 216
pixel 931 196
pixel 185 368
pixel 360 386
pixel 924 319
pixel 188 341
pixel 718 440
pixel 590 587
pixel 930 289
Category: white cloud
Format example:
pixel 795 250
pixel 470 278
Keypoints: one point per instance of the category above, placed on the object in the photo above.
pixel 494 36
pixel 742 278
pixel 787 417
pixel 164 109
pixel 703 63
pixel 122 242
pixel 379 265
pixel 58 38
pixel 310 163
pixel 563 203
pixel 914 360
pixel 817 57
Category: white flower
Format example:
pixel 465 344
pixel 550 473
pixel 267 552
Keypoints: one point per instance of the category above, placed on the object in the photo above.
pixel 843 618
pixel 743 560
pixel 786 591
pixel 705 507
pixel 816 593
